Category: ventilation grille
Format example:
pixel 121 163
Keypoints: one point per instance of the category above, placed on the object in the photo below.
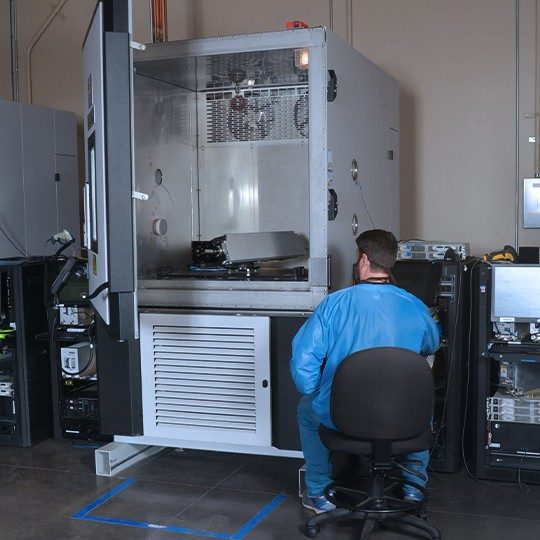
pixel 257 115
pixel 204 377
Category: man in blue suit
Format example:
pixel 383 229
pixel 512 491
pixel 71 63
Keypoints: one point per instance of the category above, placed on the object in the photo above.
pixel 373 313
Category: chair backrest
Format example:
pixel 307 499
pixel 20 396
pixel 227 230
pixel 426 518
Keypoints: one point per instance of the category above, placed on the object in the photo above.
pixel 385 393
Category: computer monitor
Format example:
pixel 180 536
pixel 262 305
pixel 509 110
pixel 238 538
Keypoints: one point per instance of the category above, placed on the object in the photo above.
pixel 515 294
pixel 73 283
pixel 420 278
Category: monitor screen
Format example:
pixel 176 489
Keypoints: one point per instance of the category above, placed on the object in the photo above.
pixel 420 278
pixel 71 292
pixel 515 295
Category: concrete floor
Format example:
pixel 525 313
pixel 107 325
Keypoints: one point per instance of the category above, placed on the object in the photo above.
pixel 214 495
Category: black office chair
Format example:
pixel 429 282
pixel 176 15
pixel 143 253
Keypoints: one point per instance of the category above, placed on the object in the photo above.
pixel 381 405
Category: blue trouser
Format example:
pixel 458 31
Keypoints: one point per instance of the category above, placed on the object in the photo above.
pixel 318 466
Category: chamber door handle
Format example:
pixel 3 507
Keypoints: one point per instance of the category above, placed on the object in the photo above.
pixel 139 195
pixel 137 46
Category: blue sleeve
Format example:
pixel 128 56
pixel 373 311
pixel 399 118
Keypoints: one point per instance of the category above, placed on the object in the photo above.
pixel 309 351
pixel 432 335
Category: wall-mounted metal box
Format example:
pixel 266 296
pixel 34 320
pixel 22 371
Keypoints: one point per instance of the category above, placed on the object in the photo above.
pixel 38 168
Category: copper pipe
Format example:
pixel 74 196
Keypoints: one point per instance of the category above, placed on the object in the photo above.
pixel 159 21
pixel 165 22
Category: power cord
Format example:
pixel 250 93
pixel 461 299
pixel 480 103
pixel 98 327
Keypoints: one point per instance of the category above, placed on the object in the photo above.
pixel 11 241
pixel 523 487
pixel 433 474
pixel 365 206
pixel 452 359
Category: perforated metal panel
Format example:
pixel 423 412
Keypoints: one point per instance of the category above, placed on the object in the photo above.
pixel 203 377
pixel 256 115
pixel 263 68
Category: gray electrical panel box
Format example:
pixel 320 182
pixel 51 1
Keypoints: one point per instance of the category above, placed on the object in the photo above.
pixel 531 203
pixel 38 168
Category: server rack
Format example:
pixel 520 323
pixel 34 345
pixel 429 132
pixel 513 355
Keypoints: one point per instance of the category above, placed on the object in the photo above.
pixel 444 287
pixel 75 396
pixel 25 383
pixel 501 446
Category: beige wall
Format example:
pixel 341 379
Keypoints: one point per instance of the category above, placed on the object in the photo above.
pixel 454 61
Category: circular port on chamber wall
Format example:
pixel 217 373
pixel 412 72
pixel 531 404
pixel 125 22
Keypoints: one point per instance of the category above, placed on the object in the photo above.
pixel 354 224
pixel 159 227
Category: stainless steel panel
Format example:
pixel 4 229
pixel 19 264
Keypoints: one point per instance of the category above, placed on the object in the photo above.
pixel 284 39
pixel 283 172
pixel 275 245
pixel 228 190
pixel 256 299
pixel 65 133
pixel 212 446
pixel 250 187
pixel 165 140
pixel 217 284
pixel 358 129
pixel 11 180
pixel 38 169
pixel 177 71
pixel 318 153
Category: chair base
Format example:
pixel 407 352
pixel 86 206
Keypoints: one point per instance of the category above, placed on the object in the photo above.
pixel 370 522
pixel 375 506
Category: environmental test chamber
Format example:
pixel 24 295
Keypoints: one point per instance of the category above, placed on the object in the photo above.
pixel 227 179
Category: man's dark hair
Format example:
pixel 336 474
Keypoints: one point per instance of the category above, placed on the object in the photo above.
pixel 380 248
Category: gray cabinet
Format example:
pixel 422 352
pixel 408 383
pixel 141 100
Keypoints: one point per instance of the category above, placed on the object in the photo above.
pixel 38 171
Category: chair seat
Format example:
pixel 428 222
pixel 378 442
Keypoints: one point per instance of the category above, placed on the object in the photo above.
pixel 337 442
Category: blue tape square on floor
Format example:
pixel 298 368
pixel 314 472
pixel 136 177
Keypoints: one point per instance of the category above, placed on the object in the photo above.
pixel 84 515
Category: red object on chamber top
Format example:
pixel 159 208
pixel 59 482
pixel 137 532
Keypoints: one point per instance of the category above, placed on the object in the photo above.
pixel 290 25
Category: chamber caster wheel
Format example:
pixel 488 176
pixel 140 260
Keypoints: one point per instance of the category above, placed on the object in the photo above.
pixel 312 532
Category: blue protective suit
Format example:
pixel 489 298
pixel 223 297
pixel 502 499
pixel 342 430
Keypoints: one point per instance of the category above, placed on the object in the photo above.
pixel 361 317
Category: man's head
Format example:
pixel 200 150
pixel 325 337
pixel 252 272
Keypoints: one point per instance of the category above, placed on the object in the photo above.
pixel 377 252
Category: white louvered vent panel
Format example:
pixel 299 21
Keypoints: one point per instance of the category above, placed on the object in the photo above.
pixel 181 358
pixel 204 382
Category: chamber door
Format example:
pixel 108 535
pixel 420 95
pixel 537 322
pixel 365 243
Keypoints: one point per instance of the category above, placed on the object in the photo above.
pixel 108 131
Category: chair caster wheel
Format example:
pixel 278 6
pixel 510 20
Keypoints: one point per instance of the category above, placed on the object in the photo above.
pixel 312 532
pixel 423 513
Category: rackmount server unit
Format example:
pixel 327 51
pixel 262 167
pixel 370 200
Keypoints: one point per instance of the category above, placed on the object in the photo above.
pixel 505 373
pixel 223 200
pixel 431 251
